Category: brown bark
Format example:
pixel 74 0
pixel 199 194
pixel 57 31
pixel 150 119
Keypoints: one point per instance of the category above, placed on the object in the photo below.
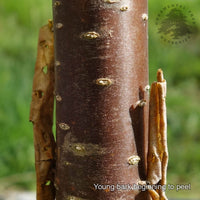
pixel 157 151
pixel 102 104
pixel 41 114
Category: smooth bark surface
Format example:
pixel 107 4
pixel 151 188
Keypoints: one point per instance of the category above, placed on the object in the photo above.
pixel 101 97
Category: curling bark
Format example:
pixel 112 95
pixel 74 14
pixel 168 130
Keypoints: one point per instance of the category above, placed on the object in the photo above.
pixel 41 114
pixel 101 74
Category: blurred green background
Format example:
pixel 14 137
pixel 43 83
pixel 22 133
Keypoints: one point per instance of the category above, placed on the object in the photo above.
pixel 19 25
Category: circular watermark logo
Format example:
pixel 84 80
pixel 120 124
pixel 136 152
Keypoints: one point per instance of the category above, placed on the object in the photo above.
pixel 175 24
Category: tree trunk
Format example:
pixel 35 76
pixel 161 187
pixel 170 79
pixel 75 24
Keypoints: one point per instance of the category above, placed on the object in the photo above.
pixel 101 74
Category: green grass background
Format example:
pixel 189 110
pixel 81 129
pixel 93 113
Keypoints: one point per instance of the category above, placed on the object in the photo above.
pixel 19 25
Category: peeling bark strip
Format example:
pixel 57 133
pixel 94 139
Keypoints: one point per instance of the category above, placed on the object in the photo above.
pixel 158 152
pixel 101 71
pixel 41 114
